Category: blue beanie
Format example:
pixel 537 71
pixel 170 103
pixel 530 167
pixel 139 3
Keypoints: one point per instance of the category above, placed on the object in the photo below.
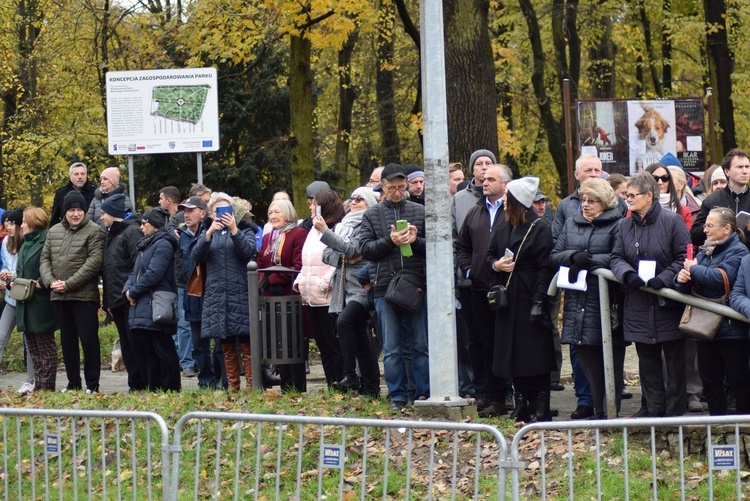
pixel 670 159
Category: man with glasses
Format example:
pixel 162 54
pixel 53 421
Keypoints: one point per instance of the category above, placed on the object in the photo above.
pixel 404 333
pixel 736 167
pixel 78 174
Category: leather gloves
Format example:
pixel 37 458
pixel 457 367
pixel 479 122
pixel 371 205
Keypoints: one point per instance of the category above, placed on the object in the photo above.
pixel 633 280
pixel 582 259
pixel 537 312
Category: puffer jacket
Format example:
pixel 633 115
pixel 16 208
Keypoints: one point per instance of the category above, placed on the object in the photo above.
pixel 738 298
pixel 314 279
pixel 377 246
pixel 153 271
pixel 660 236
pixel 193 305
pixel 225 309
pixel 724 197
pixel 95 207
pixel 120 254
pixel 74 255
pixel 581 316
pixel 342 245
pixel 706 280
pixel 566 209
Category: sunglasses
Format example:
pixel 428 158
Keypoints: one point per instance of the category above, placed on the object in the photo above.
pixel 663 179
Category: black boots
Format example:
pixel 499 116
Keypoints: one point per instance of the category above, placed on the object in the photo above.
pixel 521 411
pixel 541 412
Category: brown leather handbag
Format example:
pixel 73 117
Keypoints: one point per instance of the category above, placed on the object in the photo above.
pixel 196 284
pixel 702 324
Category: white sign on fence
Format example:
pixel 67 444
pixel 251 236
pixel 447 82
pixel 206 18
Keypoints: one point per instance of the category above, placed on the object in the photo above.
pixel 723 457
pixel 162 111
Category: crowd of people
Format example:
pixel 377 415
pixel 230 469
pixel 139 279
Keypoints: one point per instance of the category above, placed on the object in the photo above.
pixel 508 245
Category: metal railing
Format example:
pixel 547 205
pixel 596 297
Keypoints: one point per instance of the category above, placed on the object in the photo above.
pixel 275 456
pixel 605 275
pixel 83 453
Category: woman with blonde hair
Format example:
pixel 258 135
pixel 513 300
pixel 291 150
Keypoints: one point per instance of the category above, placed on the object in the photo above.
pixel 684 193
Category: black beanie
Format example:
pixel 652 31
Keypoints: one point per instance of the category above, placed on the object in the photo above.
pixel 115 206
pixel 156 217
pixel 74 200
pixel 15 216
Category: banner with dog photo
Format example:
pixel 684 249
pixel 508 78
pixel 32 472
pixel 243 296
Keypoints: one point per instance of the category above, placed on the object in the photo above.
pixel 629 135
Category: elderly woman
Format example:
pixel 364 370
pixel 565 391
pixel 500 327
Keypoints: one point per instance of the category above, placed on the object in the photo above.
pixel 650 250
pixel 523 335
pixel 282 246
pixel 226 247
pixel 154 271
pixel 315 287
pixel 36 318
pixel 669 198
pixel 586 243
pixel 350 301
pixel 725 357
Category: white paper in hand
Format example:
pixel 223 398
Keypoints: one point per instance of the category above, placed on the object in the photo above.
pixel 564 283
pixel 646 269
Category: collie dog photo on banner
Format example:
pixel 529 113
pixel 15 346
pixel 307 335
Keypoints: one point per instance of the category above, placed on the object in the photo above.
pixel 652 132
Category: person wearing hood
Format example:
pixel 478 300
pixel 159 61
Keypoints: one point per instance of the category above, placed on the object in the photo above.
pixel 154 271
pixel 652 237
pixel 226 247
pixel 120 253
pixel 523 349
pixel 70 264
pixel 586 243
pixel 109 181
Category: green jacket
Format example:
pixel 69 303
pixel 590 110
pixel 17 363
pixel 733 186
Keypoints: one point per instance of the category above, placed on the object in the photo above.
pixel 37 315
pixel 75 256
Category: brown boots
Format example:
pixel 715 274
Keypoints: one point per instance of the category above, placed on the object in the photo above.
pixel 232 365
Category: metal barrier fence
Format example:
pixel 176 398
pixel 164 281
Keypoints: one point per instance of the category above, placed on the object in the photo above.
pixel 273 456
pixel 83 454
pixel 594 459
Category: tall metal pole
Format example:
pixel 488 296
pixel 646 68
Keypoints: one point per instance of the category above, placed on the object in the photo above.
pixel 568 135
pixel 440 293
pixel 711 127
pixel 200 167
pixel 131 179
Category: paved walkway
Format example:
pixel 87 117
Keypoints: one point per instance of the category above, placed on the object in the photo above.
pixel 564 401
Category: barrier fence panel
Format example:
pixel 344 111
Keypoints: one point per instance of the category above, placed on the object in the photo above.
pixel 254 456
pixel 649 458
pixel 80 454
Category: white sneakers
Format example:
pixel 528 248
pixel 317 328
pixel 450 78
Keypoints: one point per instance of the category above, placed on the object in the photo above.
pixel 26 388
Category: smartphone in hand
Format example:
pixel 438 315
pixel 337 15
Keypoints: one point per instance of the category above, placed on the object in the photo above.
pixel 509 253
pixel 225 209
pixel 406 251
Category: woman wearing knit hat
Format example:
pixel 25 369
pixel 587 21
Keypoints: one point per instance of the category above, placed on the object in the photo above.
pixel 9 250
pixel 226 247
pixel 519 259
pixel 110 185
pixel 154 271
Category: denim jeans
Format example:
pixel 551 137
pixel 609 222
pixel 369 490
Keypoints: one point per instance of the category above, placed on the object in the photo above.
pixel 203 356
pixel 183 339
pixel 580 383
pixel 404 349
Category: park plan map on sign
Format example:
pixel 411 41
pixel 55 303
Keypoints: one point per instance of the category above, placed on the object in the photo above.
pixel 179 102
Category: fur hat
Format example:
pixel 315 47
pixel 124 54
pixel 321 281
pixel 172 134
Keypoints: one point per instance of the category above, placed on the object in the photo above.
pixel 315 187
pixel 481 153
pixel 524 190
pixel 114 205
pixel 74 200
pixel 366 194
pixel 156 217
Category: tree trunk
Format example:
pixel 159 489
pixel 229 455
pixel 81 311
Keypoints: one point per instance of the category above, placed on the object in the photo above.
pixel 554 138
pixel 649 47
pixel 721 64
pixel 602 56
pixel 390 145
pixel 666 50
pixel 301 119
pixel 470 79
pixel 347 95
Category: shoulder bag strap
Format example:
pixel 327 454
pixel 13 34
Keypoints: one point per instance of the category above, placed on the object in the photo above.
pixel 726 283
pixel 518 254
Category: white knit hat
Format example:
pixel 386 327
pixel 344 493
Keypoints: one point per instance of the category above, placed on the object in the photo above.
pixel 524 189
pixel 366 194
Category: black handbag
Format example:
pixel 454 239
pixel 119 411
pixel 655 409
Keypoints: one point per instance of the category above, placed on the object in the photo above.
pixel 406 291
pixel 497 297
pixel 164 307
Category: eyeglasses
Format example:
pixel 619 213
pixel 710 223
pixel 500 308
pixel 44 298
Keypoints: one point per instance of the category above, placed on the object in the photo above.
pixel 356 199
pixel 590 201
pixel 631 196
pixel 391 189
pixel 711 226
pixel 663 179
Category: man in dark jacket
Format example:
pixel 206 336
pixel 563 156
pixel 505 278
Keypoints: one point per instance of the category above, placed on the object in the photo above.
pixel 404 334
pixel 79 182
pixel 120 251
pixel 471 255
pixel 735 195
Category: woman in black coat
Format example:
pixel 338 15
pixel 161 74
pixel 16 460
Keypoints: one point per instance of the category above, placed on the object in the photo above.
pixel 586 243
pixel 154 270
pixel 523 333
pixel 652 236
